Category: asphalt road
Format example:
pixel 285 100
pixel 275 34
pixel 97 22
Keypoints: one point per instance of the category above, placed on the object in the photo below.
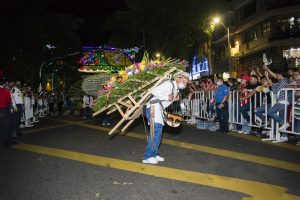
pixel 65 158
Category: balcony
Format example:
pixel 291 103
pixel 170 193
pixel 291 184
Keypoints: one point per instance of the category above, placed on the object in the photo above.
pixel 282 3
pixel 283 35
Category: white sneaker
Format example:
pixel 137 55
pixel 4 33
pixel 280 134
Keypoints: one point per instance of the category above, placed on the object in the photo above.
pixel 103 124
pixel 160 159
pixel 240 132
pixel 108 124
pixel 284 127
pixel 284 138
pixel 151 161
pixel 246 133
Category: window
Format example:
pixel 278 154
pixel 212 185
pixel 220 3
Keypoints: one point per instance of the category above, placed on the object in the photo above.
pixel 266 29
pixel 250 35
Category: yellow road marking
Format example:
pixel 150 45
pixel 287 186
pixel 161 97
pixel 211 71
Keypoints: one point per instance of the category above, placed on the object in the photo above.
pixel 46 128
pixel 256 139
pixel 250 137
pixel 257 190
pixel 54 126
pixel 219 152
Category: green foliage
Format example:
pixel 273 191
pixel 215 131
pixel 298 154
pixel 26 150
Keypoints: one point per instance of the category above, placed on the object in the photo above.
pixel 171 27
pixel 131 85
pixel 27 27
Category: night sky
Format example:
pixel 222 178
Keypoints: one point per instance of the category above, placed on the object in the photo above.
pixel 93 13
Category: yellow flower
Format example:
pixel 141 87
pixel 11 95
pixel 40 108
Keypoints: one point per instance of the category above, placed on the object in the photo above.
pixel 142 67
pixel 124 75
pixel 121 73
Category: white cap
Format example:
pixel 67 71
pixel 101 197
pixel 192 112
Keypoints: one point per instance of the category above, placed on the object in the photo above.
pixel 182 74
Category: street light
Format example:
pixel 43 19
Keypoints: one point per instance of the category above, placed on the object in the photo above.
pixel 217 20
pixel 157 55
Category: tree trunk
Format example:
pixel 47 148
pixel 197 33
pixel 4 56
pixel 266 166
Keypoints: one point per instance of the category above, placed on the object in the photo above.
pixel 209 55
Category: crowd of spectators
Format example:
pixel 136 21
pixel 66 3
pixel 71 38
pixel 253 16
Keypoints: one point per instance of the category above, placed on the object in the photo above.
pixel 21 106
pixel 253 95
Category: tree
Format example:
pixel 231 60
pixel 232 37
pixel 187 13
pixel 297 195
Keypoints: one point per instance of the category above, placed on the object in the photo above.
pixel 29 25
pixel 172 27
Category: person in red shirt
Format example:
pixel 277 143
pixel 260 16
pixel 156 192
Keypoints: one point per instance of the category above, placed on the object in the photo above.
pixel 5 116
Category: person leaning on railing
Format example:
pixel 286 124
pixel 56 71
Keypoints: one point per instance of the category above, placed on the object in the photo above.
pixel 210 89
pixel 232 84
pixel 282 102
pixel 248 102
pixel 265 90
pixel 295 112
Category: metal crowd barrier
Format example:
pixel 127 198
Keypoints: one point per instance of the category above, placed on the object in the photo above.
pixel 199 107
pixel 290 94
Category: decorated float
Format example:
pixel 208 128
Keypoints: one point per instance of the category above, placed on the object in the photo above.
pixel 125 89
pixel 102 63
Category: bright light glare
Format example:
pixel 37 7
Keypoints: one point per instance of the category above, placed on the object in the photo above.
pixel 157 55
pixel 216 20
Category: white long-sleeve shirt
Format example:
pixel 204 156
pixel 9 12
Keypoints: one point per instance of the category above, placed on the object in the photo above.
pixel 17 96
pixel 162 93
pixel 87 101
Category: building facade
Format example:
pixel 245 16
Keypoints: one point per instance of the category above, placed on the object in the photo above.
pixel 261 31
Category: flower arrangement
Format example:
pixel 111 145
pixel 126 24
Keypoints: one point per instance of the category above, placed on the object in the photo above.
pixel 134 77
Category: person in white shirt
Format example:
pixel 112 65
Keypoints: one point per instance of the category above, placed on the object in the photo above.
pixel 28 110
pixel 18 99
pixel 87 106
pixel 163 96
pixel 45 105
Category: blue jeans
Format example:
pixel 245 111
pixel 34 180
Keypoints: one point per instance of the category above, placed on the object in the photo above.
pixel 87 112
pixel 244 110
pixel 297 128
pixel 152 148
pixel 260 110
pixel 104 119
pixel 278 107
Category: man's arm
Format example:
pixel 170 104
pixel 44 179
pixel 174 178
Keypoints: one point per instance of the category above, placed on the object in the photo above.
pixel 293 86
pixel 249 95
pixel 258 72
pixel 269 71
pixel 224 99
pixel 221 105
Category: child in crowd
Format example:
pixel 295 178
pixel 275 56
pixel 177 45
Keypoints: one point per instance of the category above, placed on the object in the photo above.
pixel 244 101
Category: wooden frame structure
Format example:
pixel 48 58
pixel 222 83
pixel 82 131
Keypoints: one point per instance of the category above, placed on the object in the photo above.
pixel 130 107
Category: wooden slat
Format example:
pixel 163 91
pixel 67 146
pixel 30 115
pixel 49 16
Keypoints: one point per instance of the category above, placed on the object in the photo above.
pixel 134 111
pixel 111 111
pixel 101 110
pixel 120 110
pixel 125 104
pixel 132 99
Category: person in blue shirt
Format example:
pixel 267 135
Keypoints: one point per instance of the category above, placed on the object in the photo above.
pixel 221 97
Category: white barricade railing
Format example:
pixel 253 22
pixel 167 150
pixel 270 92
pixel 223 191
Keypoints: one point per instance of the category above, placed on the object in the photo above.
pixel 258 102
pixel 199 106
pixel 289 114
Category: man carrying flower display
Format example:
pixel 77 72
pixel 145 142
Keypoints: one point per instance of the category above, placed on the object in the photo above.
pixel 163 96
